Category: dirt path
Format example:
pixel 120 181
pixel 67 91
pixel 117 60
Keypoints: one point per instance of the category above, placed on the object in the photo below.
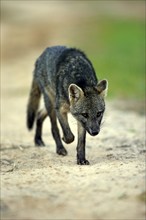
pixel 35 182
pixel 38 184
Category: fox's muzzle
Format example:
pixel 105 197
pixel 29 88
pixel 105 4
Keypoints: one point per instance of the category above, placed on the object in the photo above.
pixel 93 132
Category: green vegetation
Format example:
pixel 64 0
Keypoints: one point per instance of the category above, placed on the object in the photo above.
pixel 117 50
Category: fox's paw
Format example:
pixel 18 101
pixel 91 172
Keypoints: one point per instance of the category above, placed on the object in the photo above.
pixel 82 162
pixel 62 151
pixel 68 139
pixel 39 142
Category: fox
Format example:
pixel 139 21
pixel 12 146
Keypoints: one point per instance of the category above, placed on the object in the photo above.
pixel 66 79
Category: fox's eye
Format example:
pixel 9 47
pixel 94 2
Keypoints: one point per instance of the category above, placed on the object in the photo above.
pixel 99 114
pixel 85 115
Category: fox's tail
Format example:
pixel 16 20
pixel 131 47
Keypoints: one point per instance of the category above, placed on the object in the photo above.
pixel 33 104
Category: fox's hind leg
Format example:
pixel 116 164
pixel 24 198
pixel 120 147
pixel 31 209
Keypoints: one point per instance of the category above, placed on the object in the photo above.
pixel 55 132
pixel 49 103
pixel 42 114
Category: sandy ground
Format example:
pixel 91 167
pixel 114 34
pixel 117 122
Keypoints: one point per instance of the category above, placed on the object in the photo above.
pixel 36 183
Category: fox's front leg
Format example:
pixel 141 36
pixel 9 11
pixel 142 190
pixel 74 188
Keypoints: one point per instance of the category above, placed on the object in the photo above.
pixel 61 112
pixel 81 160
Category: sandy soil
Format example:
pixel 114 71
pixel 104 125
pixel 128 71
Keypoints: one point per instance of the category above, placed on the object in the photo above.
pixel 36 183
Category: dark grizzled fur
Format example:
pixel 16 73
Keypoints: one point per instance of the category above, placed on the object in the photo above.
pixel 60 62
pixel 67 80
pixel 74 63
pixel 33 104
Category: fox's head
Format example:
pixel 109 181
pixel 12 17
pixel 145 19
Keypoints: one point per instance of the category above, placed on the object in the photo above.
pixel 88 105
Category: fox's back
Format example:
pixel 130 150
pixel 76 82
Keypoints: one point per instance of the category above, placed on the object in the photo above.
pixel 59 66
pixel 45 66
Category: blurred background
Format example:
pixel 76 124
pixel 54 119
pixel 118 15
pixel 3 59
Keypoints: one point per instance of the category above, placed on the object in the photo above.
pixel 111 33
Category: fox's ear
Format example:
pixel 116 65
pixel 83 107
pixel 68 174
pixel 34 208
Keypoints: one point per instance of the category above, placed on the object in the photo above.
pixel 75 92
pixel 102 87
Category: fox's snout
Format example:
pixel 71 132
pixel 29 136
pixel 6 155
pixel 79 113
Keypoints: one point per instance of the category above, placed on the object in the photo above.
pixel 94 131
pixel 93 128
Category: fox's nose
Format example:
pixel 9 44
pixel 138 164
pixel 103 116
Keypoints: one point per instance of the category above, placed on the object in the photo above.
pixel 94 132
